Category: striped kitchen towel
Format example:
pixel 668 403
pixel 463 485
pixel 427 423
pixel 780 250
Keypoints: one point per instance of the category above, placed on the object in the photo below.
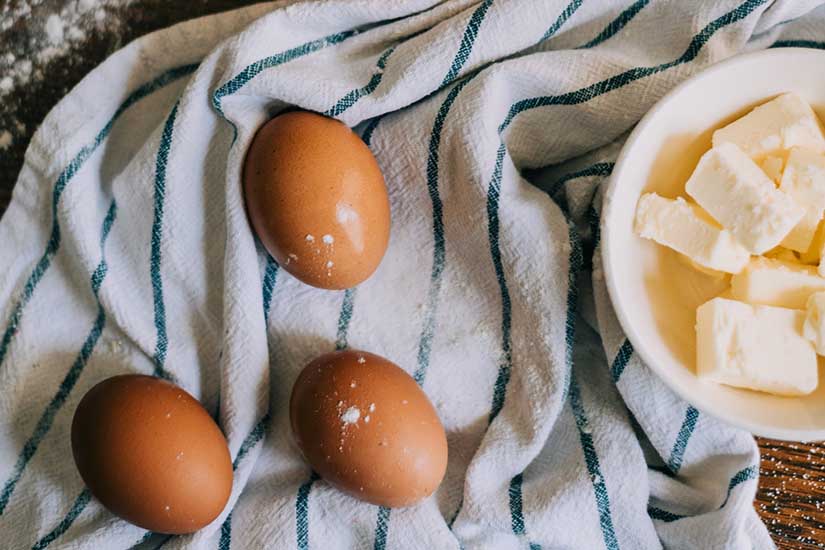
pixel 126 248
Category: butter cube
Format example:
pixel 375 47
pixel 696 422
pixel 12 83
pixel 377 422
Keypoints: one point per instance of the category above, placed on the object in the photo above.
pixel 738 194
pixel 776 283
pixel 773 166
pixel 682 227
pixel 713 273
pixel 804 181
pixel 814 251
pixel 756 347
pixel 785 122
pixel 814 329
pixel 821 268
pixel 782 253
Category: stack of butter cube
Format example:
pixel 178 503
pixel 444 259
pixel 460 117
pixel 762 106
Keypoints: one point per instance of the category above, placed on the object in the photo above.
pixel 758 199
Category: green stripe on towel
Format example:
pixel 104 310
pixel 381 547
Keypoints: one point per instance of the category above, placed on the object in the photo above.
pixel 621 360
pixel 798 44
pixel 366 137
pixel 341 342
pixel 663 515
pixel 161 161
pixel 620 80
pixel 468 39
pixel 617 24
pixel 270 278
pixel 146 536
pixel 382 528
pixel 258 431
pixel 439 253
pixel 225 542
pixel 252 439
pixel 516 505
pixel 598 169
pixel 254 69
pixel 575 263
pixel 562 19
pixel 352 97
pixel 77 508
pixel 344 318
pixel 302 512
pixel 493 200
pixel 46 420
pixel 591 460
pixel 505 360
pixel 493 227
pixel 677 454
pixel 581 96
pixel 63 180
pixel 743 475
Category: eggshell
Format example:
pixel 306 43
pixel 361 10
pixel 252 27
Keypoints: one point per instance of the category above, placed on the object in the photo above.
pixel 151 454
pixel 317 200
pixel 365 426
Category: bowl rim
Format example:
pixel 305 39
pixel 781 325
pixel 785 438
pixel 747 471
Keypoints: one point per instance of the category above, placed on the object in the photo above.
pixel 704 405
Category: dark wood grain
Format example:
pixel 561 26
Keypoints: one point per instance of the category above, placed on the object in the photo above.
pixel 791 496
pixel 29 104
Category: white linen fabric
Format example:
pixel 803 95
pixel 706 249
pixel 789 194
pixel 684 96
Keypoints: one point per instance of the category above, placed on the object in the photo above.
pixel 126 248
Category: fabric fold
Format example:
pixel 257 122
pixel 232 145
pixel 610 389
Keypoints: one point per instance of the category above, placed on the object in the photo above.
pixel 496 124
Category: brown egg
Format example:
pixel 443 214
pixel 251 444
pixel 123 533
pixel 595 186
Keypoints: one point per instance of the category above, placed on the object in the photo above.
pixel 366 427
pixel 151 454
pixel 317 199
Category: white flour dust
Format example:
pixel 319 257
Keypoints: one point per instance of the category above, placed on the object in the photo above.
pixel 351 415
pixel 33 34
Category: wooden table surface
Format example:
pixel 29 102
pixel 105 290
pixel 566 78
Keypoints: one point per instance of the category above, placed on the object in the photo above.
pixel 791 496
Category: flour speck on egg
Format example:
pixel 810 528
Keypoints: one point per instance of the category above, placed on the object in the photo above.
pixel 351 415
pixel 130 435
pixel 312 187
pixel 392 450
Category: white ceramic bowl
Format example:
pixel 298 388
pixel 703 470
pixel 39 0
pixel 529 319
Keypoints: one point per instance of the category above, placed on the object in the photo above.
pixel 655 294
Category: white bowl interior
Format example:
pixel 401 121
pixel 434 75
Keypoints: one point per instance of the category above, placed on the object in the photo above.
pixel 654 292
